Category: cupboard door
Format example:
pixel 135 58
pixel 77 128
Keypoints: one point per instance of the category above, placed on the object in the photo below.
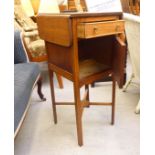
pixel 119 61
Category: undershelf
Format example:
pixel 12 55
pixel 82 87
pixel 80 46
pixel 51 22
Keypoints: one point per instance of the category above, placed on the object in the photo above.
pixel 90 67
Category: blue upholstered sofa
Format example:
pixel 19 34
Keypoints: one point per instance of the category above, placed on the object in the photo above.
pixel 26 75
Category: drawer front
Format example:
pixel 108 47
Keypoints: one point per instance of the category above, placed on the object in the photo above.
pixel 97 29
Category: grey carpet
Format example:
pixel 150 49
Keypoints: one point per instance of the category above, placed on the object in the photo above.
pixel 39 135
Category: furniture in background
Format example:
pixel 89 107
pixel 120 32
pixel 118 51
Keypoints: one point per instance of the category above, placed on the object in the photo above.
pixel 35 46
pixel 134 7
pixel 131 6
pixel 26 76
pixel 132 30
pixel 128 6
pixel 125 6
pixel 72 5
pixel 84 47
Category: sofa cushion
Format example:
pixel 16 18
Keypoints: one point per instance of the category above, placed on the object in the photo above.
pixel 37 48
pixel 25 75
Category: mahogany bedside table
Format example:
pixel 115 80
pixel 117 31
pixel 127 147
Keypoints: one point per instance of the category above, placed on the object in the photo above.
pixel 84 47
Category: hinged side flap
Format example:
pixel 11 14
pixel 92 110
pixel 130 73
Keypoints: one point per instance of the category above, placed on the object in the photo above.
pixel 55 29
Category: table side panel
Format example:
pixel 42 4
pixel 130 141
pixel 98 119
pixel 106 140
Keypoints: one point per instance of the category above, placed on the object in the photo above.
pixel 99 49
pixel 60 56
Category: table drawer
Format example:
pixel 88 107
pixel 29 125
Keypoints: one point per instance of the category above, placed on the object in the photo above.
pixel 96 29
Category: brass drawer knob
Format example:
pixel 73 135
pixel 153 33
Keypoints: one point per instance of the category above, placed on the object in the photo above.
pixel 117 28
pixel 95 29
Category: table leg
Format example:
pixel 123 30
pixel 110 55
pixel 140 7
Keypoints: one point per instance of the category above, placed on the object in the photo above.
pixel 53 96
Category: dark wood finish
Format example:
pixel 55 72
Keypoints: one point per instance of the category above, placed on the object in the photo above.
pixel 119 61
pixel 83 60
pixel 78 106
pixel 87 95
pixel 113 100
pixel 60 56
pixel 39 83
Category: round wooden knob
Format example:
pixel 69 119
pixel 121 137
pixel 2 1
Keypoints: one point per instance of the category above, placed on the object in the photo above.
pixel 117 28
pixel 95 29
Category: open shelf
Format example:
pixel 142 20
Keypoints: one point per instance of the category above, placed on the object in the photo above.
pixel 91 67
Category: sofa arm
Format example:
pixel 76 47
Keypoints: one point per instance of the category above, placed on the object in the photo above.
pixel 19 52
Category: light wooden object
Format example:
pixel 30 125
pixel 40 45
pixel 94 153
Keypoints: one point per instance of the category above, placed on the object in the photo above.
pixel 96 29
pixel 82 60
